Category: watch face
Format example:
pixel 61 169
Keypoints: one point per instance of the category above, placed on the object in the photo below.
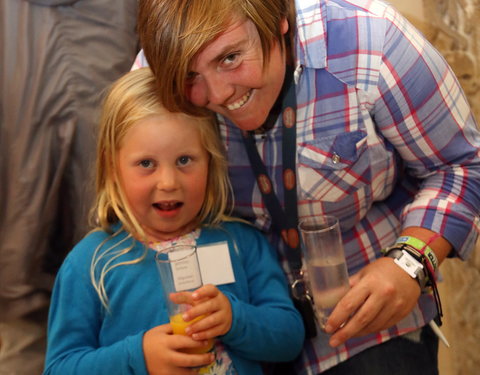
pixel 407 261
pixel 413 267
pixel 409 264
pixel 393 252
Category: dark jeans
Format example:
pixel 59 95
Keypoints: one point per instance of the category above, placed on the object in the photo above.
pixel 398 356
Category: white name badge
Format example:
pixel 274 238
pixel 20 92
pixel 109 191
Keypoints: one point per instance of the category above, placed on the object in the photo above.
pixel 215 264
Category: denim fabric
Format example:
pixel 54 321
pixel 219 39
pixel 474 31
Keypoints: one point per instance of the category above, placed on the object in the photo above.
pixel 398 356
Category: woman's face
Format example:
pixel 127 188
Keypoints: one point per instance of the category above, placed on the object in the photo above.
pixel 229 78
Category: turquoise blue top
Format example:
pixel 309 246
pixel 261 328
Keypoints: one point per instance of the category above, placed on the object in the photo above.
pixel 84 339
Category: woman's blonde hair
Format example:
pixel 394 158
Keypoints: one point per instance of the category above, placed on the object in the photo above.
pixel 173 32
pixel 130 99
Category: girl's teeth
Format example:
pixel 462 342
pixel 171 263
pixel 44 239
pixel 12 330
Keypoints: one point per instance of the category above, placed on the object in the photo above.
pixel 239 103
pixel 167 206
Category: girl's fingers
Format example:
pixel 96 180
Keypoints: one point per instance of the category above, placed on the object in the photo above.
pixel 206 291
pixel 182 298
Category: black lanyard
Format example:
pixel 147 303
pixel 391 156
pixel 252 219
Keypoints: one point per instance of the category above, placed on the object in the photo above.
pixel 285 220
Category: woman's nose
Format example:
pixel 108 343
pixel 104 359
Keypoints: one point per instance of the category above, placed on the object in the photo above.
pixel 219 89
pixel 210 89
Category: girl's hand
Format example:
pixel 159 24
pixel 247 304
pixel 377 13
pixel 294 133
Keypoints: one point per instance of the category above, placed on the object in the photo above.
pixel 163 352
pixel 209 302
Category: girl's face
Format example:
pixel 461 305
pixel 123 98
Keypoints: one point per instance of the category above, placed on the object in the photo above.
pixel 163 170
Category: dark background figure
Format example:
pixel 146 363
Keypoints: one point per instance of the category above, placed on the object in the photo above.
pixel 56 59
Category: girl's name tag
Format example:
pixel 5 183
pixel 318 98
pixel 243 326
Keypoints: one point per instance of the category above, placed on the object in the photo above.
pixel 215 264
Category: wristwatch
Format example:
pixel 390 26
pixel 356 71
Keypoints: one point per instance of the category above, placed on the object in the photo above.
pixel 409 264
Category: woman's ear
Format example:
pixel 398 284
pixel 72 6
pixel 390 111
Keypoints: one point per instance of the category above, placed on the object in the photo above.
pixel 284 25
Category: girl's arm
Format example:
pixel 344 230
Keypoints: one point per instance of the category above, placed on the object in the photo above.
pixel 267 327
pixel 74 326
pixel 83 339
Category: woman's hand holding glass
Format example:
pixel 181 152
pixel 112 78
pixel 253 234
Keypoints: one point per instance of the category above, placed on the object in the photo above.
pixel 381 295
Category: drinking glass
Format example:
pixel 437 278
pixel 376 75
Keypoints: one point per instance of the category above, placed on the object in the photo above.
pixel 180 272
pixel 327 273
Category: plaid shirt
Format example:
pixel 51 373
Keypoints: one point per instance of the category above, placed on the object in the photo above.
pixel 385 140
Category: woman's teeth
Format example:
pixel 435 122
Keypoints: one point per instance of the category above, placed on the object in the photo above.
pixel 239 103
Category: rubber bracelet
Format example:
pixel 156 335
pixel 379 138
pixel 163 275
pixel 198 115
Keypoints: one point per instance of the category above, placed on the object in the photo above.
pixel 422 247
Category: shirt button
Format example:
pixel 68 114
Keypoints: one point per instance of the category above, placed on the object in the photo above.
pixel 335 158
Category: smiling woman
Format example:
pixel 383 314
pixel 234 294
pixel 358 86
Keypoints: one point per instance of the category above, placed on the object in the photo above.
pixel 376 142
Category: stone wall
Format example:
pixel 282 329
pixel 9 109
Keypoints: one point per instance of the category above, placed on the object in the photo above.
pixel 452 26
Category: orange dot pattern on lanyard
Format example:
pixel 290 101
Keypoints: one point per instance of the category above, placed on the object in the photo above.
pixel 264 184
pixel 288 117
pixel 289 179
pixel 290 237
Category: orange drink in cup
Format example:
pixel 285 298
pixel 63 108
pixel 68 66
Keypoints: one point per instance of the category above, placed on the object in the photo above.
pixel 180 272
pixel 179 325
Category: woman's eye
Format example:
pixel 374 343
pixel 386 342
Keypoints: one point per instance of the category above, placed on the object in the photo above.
pixel 146 163
pixel 231 59
pixel 191 77
pixel 184 160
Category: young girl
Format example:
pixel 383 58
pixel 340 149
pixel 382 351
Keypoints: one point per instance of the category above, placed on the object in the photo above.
pixel 161 180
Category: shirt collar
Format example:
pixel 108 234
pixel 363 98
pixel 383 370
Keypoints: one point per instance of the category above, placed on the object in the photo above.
pixel 311 45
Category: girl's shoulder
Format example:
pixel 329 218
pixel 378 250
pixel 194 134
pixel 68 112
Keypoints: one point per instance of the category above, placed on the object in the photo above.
pixel 98 241
pixel 239 232
pixel 240 228
pixel 98 236
pixel 237 225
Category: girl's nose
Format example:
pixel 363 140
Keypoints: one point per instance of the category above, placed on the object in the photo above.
pixel 166 179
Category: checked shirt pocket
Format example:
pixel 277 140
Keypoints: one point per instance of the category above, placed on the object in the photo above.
pixel 335 173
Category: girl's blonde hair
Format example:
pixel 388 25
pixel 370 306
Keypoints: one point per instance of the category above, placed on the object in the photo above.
pixel 130 99
pixel 172 33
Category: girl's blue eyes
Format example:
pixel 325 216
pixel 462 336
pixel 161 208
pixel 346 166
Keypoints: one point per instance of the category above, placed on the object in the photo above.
pixel 146 163
pixel 183 160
